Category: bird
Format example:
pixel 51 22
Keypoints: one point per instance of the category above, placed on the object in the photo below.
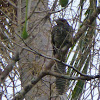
pixel 61 36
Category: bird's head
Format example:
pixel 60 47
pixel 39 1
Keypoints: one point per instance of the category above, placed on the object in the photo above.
pixel 61 21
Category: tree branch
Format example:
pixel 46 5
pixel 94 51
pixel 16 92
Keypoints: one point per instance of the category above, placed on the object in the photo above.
pixel 20 95
pixel 12 3
pixel 87 77
pixel 52 61
pixel 9 67
pixel 86 24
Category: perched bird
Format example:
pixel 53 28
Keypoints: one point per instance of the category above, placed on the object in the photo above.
pixel 61 35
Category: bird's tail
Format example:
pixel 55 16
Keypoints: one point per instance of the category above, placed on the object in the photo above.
pixel 60 82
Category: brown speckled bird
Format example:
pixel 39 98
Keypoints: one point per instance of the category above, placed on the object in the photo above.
pixel 61 35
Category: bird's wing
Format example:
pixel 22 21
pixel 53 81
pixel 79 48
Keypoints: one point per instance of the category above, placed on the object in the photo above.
pixel 54 31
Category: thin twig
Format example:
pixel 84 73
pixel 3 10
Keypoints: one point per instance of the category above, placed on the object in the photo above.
pixel 20 95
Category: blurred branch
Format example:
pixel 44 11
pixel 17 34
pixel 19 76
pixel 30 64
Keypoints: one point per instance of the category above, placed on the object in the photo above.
pixel 9 67
pixel 20 95
pixel 12 3
pixel 86 24
pixel 32 11
pixel 78 35
pixel 8 17
pixel 48 57
pixel 27 88
pixel 65 49
pixel 54 5
pixel 48 14
pixel 87 77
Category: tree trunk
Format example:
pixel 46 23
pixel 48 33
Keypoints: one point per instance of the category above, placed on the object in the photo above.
pixel 31 64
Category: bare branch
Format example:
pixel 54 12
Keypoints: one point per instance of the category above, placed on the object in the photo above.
pixel 8 17
pixel 27 88
pixel 12 3
pixel 32 11
pixel 86 24
pixel 9 68
pixel 87 77
pixel 48 57
pixel 78 35
pixel 20 95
